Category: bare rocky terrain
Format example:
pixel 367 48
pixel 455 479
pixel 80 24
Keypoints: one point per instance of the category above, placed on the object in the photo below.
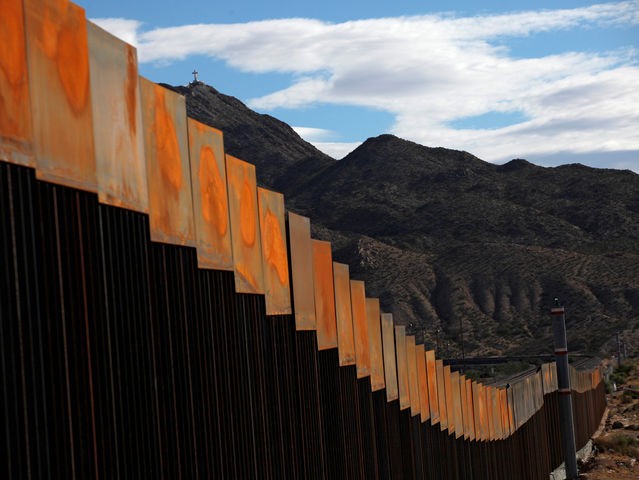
pixel 453 244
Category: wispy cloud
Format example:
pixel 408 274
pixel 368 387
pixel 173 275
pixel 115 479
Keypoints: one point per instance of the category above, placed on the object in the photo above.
pixel 431 70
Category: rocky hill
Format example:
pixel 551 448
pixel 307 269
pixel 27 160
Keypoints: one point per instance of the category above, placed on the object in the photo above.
pixel 460 250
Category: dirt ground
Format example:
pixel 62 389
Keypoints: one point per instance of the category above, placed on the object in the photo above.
pixel 616 452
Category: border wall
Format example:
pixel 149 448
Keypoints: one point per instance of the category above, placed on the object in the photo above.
pixel 163 317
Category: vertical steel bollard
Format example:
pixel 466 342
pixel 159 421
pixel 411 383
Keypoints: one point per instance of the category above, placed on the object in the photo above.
pixel 565 397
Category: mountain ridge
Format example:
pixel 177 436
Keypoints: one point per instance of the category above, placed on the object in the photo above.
pixel 455 246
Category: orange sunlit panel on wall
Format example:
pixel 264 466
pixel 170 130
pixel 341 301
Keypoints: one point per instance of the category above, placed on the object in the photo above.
pixel 58 60
pixel 478 411
pixel 470 421
pixel 441 394
pixel 456 394
pixel 299 240
pixel 167 165
pixel 274 252
pixel 344 314
pixel 490 413
pixel 402 367
pixel 245 226
pixel 375 343
pixel 413 385
pixel 360 328
pixel 431 373
pixel 117 122
pixel 464 406
pixel 390 366
pixel 450 405
pixel 511 417
pixel 16 137
pixel 422 381
pixel 503 406
pixel 210 197
pixel 324 295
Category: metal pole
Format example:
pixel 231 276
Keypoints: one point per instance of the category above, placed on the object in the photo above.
pixel 565 398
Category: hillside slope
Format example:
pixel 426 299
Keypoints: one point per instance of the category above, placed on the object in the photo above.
pixel 453 244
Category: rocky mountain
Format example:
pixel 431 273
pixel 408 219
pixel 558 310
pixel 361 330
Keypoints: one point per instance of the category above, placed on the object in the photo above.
pixel 462 251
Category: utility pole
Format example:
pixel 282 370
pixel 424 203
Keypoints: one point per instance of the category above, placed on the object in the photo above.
pixel 565 396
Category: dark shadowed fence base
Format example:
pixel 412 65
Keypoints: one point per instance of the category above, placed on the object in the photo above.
pixel 120 358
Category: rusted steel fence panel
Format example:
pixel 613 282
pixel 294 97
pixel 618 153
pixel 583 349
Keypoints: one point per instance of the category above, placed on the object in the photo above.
pixel 441 394
pixel 433 400
pixel 245 226
pixel 16 135
pixel 390 364
pixel 457 407
pixel 403 380
pixel 360 329
pixel 344 314
pixel 413 386
pixel 422 380
pixel 470 408
pixel 301 252
pixel 375 343
pixel 117 121
pixel 324 295
pixel 167 165
pixel 210 197
pixel 59 86
pixel 277 286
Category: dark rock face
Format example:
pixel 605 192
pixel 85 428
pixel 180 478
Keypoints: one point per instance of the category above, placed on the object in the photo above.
pixel 453 244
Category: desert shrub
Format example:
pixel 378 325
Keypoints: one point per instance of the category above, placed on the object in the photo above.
pixel 621 374
pixel 620 443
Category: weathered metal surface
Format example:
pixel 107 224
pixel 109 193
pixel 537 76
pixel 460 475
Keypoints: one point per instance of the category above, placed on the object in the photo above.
pixel 470 408
pixel 413 385
pixel 402 367
pixel 431 372
pixel 495 415
pixel 210 197
pixel 390 365
pixel 485 406
pixel 245 226
pixel 375 343
pixel 60 93
pixel 457 407
pixel 167 165
pixel 117 121
pixel 477 412
pixel 450 405
pixel 344 314
pixel 360 329
pixel 511 417
pixel 299 240
pixel 422 381
pixel 464 406
pixel 503 405
pixel 277 286
pixel 324 295
pixel 16 135
pixel 441 394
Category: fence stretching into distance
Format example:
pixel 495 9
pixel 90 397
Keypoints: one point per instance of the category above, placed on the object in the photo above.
pixel 163 317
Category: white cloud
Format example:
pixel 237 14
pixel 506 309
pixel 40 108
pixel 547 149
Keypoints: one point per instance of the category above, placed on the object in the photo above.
pixel 311 134
pixel 122 28
pixel 428 71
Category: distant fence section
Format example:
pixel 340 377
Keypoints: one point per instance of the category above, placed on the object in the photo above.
pixel 163 317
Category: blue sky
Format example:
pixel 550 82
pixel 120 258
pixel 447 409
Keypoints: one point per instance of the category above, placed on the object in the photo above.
pixel 550 81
